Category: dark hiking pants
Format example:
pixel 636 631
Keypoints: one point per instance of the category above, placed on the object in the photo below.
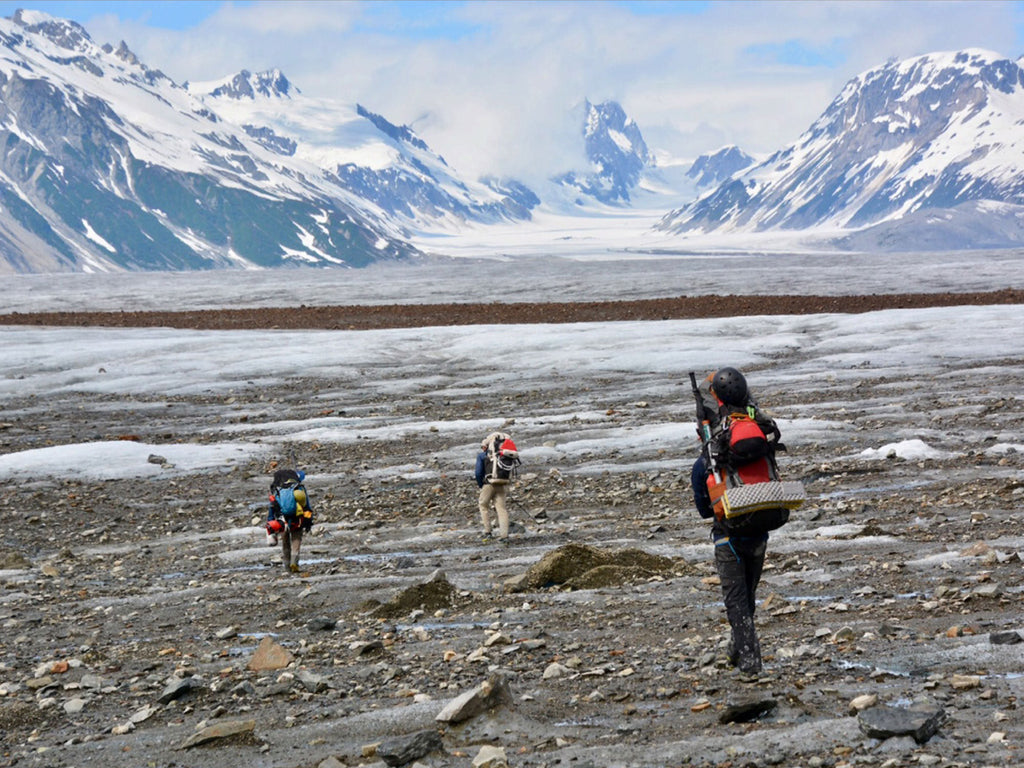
pixel 739 563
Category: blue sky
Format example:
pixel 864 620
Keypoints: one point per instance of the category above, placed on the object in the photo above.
pixel 489 83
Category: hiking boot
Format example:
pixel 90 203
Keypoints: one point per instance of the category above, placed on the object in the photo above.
pixel 293 568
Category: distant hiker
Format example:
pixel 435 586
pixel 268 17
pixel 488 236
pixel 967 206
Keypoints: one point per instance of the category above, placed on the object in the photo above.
pixel 496 467
pixel 735 482
pixel 289 515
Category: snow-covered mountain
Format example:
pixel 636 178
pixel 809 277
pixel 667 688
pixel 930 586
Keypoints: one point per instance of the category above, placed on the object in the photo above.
pixel 712 168
pixel 932 144
pixel 616 151
pixel 362 152
pixel 623 172
pixel 109 165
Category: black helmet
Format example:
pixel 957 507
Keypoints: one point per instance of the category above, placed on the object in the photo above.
pixel 729 386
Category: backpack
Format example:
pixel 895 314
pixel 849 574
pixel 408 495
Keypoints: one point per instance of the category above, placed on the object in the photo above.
pixel 503 460
pixel 283 488
pixel 748 497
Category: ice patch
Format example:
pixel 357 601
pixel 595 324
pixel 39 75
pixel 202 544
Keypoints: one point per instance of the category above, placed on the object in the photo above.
pixel 910 450
pixel 120 459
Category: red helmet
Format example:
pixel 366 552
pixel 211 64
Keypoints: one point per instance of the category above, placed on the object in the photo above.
pixel 275 526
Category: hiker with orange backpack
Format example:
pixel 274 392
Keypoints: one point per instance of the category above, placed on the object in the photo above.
pixel 496 468
pixel 735 482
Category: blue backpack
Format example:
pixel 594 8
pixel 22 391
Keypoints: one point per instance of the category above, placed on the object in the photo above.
pixel 286 501
pixel 286 483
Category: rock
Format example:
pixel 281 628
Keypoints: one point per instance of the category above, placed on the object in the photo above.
pixel 404 749
pixel 746 711
pixel 143 714
pixel 862 702
pixel 330 762
pixel 843 635
pixel 498 638
pixel 269 655
pixel 244 688
pixel 74 706
pixel 38 683
pixel 321 624
pixel 227 633
pixel 363 648
pixel 988 590
pixel 1005 638
pixel 224 729
pixel 490 757
pixel 965 682
pixel 491 693
pixel 555 670
pixel 178 688
pixel 920 722
pixel 311 682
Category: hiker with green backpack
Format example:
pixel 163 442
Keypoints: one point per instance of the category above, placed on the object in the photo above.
pixel 289 515
pixel 736 484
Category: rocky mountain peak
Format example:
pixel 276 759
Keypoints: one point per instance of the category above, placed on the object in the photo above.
pixel 715 167
pixel 245 85
pixel 617 153
pixel 63 33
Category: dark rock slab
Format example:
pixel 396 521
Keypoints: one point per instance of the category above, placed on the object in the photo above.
pixel 178 688
pixel 920 722
pixel 1005 638
pixel 403 750
pixel 746 711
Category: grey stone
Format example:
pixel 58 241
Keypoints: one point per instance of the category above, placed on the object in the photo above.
pixel 1005 638
pixel 402 750
pixel 178 688
pixel 225 729
pixel 311 682
pixel 321 624
pixel 493 692
pixel 244 688
pixel 920 722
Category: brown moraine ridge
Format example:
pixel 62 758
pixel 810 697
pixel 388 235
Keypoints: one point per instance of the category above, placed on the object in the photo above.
pixel 368 317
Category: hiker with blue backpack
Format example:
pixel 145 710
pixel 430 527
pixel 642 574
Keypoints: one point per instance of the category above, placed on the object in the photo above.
pixel 289 515
pixel 736 485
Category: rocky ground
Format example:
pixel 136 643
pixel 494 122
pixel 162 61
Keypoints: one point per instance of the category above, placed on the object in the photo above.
pixel 148 624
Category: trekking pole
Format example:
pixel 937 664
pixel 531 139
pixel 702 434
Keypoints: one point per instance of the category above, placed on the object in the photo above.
pixel 515 503
pixel 704 432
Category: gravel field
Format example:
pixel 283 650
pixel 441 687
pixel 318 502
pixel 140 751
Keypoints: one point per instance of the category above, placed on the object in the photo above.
pixel 137 613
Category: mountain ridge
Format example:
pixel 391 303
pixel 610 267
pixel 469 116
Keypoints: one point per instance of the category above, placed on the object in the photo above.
pixel 935 133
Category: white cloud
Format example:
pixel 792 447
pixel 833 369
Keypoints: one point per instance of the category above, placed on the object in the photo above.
pixel 495 92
